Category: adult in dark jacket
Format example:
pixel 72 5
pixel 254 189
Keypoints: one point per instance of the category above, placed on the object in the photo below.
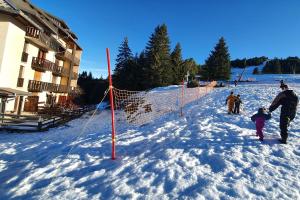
pixel 237 104
pixel 288 101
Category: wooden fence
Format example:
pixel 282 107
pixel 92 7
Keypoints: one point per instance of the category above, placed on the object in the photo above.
pixel 41 122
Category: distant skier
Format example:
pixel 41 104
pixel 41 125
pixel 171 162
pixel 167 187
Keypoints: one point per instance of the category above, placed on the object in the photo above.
pixel 237 104
pixel 259 118
pixel 235 83
pixel 230 102
pixel 288 101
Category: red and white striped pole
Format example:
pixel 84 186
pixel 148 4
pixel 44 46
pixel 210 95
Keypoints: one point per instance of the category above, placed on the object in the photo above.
pixel 111 99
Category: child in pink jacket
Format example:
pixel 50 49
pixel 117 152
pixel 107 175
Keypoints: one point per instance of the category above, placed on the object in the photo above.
pixel 259 118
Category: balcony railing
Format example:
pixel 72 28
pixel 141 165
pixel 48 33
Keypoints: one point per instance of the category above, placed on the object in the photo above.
pixel 59 71
pixel 41 64
pixel 46 40
pixel 66 55
pixel 20 82
pixel 76 61
pixel 24 57
pixel 74 76
pixel 39 86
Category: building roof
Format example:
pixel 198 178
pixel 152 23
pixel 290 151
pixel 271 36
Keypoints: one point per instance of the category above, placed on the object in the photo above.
pixel 38 17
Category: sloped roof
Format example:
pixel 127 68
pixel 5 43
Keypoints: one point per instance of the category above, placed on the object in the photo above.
pixel 4 6
pixel 37 17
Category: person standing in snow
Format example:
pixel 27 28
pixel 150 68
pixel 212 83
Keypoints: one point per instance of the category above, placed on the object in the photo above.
pixel 259 118
pixel 230 102
pixel 288 101
pixel 235 83
pixel 237 104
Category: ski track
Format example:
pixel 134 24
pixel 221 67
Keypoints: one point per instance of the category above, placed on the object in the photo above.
pixel 206 154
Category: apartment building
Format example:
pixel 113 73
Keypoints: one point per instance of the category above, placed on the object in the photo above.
pixel 39 57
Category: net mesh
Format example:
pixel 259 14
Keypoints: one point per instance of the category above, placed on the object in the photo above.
pixel 141 107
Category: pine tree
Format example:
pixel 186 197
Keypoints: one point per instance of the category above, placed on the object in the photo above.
pixel 255 70
pixel 190 65
pixel 159 70
pixel 123 59
pixel 217 66
pixel 277 67
pixel 177 62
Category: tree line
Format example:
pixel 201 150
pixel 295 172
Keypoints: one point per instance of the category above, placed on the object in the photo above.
pixel 290 65
pixel 242 63
pixel 92 89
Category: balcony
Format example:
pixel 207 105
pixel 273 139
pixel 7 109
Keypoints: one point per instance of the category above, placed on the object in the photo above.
pixel 66 55
pixel 74 76
pixel 24 57
pixel 39 86
pixel 59 71
pixel 20 82
pixel 42 65
pixel 76 61
pixel 42 40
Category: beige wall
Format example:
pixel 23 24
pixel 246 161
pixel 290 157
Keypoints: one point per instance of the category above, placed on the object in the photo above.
pixel 12 53
pixel 11 48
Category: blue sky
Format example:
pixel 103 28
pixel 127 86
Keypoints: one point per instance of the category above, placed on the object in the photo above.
pixel 251 27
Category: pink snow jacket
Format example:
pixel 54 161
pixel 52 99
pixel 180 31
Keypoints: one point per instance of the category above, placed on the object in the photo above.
pixel 260 117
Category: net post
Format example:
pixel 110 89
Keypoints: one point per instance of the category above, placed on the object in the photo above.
pixel 182 97
pixel 111 99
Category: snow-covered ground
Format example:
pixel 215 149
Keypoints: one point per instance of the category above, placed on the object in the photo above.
pixel 206 154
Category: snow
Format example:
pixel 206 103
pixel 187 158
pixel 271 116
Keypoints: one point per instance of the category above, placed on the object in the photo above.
pixel 206 154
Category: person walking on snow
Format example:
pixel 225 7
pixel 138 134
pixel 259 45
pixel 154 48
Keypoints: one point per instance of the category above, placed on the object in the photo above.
pixel 259 118
pixel 230 102
pixel 288 101
pixel 237 104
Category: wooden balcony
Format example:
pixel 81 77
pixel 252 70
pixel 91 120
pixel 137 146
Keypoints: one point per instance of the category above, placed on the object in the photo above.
pixel 74 76
pixel 42 65
pixel 66 55
pixel 76 61
pixel 39 86
pixel 20 82
pixel 60 71
pixel 41 39
pixel 24 57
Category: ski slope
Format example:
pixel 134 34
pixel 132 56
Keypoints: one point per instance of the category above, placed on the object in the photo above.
pixel 206 154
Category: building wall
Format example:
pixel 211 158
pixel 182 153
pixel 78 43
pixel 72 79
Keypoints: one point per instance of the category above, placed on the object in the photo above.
pixel 3 36
pixel 11 49
pixel 11 59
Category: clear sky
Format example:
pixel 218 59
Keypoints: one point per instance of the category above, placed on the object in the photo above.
pixel 251 27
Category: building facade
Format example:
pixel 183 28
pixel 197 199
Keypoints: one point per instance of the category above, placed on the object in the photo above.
pixel 39 54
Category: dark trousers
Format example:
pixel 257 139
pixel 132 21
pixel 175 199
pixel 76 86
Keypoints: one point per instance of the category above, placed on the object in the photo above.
pixel 284 124
pixel 236 109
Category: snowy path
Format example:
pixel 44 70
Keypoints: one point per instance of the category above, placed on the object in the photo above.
pixel 206 154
